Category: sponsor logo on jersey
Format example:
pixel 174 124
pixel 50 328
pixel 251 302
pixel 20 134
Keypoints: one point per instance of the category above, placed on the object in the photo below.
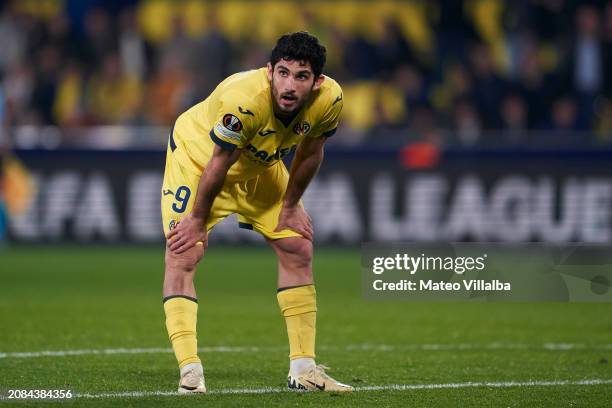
pixel 301 128
pixel 266 132
pixel 263 156
pixel 338 99
pixel 245 111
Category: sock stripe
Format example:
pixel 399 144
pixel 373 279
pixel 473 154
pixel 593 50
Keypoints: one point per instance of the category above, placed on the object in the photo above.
pixel 180 296
pixel 293 287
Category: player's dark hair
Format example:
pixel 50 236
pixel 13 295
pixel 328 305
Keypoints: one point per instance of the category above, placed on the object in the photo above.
pixel 300 46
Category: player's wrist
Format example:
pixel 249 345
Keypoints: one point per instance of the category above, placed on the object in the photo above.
pixel 198 216
pixel 290 206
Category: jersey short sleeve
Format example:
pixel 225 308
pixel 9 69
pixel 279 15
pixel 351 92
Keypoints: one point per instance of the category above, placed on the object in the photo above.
pixel 234 125
pixel 331 115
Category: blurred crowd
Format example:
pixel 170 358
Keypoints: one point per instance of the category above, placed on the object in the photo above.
pixel 447 71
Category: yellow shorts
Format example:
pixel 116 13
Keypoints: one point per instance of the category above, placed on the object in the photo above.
pixel 257 202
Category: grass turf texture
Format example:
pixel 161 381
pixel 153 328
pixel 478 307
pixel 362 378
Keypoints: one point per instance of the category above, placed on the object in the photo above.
pixel 69 298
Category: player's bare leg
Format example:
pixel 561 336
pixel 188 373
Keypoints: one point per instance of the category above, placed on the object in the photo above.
pixel 294 261
pixel 297 299
pixel 181 308
pixel 180 271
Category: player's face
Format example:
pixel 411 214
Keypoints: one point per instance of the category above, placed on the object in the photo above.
pixel 292 83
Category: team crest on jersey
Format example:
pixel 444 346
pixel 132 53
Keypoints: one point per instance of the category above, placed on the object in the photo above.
pixel 301 128
pixel 232 123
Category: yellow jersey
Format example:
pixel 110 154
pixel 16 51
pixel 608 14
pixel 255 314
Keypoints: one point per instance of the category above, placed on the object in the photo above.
pixel 239 114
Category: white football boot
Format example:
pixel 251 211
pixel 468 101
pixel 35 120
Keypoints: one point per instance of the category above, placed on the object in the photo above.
pixel 192 379
pixel 316 379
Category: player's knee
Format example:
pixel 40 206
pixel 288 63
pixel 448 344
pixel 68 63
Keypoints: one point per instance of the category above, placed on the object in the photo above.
pixel 298 250
pixel 186 261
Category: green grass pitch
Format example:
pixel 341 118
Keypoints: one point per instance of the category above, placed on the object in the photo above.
pixel 109 298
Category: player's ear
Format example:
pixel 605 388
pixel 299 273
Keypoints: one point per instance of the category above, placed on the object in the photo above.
pixel 318 82
pixel 270 70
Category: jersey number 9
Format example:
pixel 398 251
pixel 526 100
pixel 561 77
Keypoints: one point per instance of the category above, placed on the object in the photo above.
pixel 182 198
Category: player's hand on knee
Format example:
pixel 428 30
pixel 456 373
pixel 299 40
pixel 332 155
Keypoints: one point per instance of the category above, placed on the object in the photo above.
pixel 187 234
pixel 296 219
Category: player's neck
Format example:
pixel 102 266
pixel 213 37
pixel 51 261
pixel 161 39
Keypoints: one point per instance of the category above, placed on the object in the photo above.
pixel 285 118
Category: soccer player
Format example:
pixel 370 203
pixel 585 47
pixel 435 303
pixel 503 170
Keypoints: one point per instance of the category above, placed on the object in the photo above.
pixel 225 156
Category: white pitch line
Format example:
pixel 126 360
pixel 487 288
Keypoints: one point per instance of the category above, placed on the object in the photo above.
pixel 387 387
pixel 155 350
pixel 351 347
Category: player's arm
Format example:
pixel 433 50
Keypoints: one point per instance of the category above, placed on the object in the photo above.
pixel 192 229
pixel 304 167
